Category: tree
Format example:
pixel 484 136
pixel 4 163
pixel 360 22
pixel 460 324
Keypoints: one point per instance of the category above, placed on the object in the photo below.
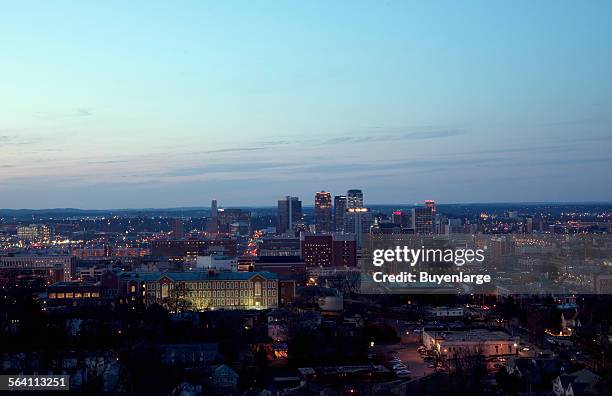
pixel 177 300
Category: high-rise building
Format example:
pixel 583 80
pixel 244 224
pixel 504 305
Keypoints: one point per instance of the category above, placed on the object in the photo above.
pixel 212 223
pixel 213 209
pixel 358 221
pixel 241 218
pixel 328 250
pixel 345 251
pixel 430 203
pixel 317 250
pixel 339 212
pixel 354 199
pixel 178 230
pixel 289 213
pixel 400 218
pixel 437 222
pixel 422 220
pixel 323 212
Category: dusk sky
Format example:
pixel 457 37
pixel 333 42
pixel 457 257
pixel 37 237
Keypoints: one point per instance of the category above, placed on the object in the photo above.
pixel 168 104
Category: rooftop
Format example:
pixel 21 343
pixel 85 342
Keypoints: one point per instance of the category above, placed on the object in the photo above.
pixel 197 275
pixel 473 335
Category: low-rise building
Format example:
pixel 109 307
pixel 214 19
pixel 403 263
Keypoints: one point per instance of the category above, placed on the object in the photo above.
pixel 471 342
pixel 73 294
pixel 203 290
pixel 446 312
pixel 577 383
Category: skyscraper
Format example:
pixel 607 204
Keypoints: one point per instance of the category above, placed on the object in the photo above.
pixel 430 203
pixel 178 230
pixel 213 209
pixel 339 212
pixel 358 221
pixel 354 199
pixel 436 226
pixel 423 220
pixel 289 212
pixel 323 212
pixel 212 223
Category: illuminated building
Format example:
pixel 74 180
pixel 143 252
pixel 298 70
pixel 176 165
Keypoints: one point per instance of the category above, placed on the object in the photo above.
pixel 33 233
pixel 51 268
pixel 354 199
pixel 109 251
pixel 430 203
pixel 400 218
pixel 203 290
pixel 289 213
pixel 328 250
pixel 340 202
pixel 423 220
pixel 73 294
pixel 468 342
pixel 193 247
pixel 278 246
pixel 345 251
pixel 323 212
pixel 241 219
pixel 317 250
pixel 358 221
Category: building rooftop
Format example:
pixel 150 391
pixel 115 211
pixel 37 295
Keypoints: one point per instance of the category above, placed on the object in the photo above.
pixel 72 284
pixel 197 275
pixel 473 335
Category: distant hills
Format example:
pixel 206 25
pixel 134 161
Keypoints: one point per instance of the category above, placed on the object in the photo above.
pixel 459 209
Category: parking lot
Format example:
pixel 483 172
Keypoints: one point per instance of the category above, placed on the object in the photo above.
pixel 407 352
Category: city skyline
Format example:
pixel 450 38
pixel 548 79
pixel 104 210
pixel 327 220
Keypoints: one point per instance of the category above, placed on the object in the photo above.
pixel 151 105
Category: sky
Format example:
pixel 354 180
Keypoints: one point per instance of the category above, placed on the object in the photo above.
pixel 169 104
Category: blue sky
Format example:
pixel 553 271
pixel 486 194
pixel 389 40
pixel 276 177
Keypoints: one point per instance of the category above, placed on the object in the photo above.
pixel 165 104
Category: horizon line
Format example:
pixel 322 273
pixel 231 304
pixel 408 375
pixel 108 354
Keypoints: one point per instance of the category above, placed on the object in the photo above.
pixel 177 208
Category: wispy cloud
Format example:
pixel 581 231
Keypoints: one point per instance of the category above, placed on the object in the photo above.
pixel 378 137
pixel 57 115
pixel 106 162
pixel 231 150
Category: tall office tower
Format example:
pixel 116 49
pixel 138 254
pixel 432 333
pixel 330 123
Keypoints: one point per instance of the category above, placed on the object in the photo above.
pixel 234 221
pixel 214 209
pixel 323 212
pixel 289 213
pixel 212 223
pixel 422 220
pixel 358 221
pixel 354 199
pixel 178 230
pixel 438 223
pixel 339 212
pixel 400 218
pixel 430 203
